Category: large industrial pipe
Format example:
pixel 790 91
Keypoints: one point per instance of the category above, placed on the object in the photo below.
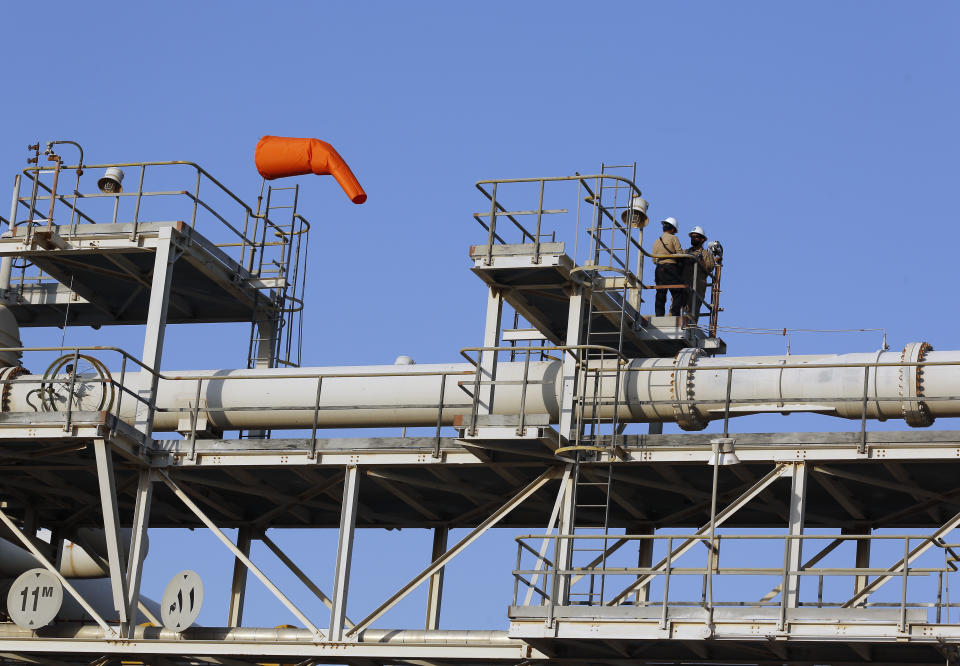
pixel 689 389
pixel 75 562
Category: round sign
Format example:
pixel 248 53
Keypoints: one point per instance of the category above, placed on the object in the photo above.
pixel 181 601
pixel 34 599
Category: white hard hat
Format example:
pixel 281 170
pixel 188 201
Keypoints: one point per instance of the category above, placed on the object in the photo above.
pixel 672 221
pixel 698 230
pixel 636 213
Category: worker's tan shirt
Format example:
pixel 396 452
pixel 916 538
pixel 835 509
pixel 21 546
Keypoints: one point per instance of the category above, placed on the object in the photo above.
pixel 666 244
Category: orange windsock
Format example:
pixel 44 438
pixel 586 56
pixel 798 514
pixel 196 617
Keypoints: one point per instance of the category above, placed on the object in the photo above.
pixel 282 156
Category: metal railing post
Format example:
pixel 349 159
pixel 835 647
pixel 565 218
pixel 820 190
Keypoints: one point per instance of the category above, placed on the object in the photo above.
pixel 73 383
pixel 521 427
pixel 903 593
pixel 436 445
pixel 194 413
pixel 316 417
pixel 493 223
pixel 862 448
pixel 536 243
pixel 666 583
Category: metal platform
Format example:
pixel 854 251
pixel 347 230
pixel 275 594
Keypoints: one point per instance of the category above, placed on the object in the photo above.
pixel 102 273
pixel 538 280
pixel 660 481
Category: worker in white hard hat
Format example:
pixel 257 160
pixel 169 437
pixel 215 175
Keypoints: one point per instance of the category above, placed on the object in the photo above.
pixel 705 265
pixel 669 270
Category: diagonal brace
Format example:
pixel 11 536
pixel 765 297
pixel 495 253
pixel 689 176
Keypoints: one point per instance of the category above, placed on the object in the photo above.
pixel 52 569
pixel 299 573
pixel 443 560
pixel 692 541
pixel 237 553
pixel 929 542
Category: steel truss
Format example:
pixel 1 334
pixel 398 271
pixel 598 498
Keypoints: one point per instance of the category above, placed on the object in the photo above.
pixel 647 524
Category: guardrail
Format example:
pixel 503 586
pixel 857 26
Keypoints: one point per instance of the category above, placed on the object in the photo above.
pixel 600 204
pixel 241 228
pixel 540 580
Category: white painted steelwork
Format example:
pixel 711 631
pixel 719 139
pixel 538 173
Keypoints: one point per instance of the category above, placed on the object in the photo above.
pixel 688 389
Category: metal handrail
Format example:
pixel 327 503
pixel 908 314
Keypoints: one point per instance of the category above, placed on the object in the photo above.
pixel 666 569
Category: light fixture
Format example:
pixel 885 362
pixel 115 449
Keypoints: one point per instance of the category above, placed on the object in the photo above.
pixel 636 213
pixel 723 452
pixel 110 182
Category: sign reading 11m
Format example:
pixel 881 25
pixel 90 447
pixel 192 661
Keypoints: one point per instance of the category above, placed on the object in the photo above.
pixel 34 599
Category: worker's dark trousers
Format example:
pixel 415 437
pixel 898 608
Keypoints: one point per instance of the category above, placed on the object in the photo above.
pixel 669 274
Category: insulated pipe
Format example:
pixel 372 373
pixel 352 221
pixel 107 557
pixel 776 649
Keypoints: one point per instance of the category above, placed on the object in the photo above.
pixel 282 156
pixel 687 389
pixel 75 562
pixel 91 631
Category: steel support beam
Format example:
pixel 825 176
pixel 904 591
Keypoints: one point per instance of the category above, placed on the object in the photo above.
pixel 644 561
pixel 138 544
pixel 444 559
pixel 551 524
pixel 862 558
pixel 238 583
pixel 571 366
pixel 111 531
pixel 341 579
pixel 798 503
pixel 563 550
pixel 435 589
pixel 488 359
pixel 156 326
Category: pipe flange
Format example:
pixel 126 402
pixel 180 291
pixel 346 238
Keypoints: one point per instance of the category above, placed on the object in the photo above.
pixel 6 376
pixel 687 415
pixel 915 412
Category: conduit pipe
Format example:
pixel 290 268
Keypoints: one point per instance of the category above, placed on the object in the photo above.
pixel 269 635
pixel 689 390
pixel 282 156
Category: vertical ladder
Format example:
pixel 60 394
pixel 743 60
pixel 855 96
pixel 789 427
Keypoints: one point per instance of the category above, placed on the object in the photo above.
pixel 274 336
pixel 272 339
pixel 598 386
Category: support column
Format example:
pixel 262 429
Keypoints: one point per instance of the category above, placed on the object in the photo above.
pixel 862 559
pixel 644 561
pixel 435 590
pixel 138 548
pixel 163 261
pixel 6 263
pixel 564 551
pixel 111 529
pixel 570 358
pixel 798 495
pixel 238 586
pixel 341 580
pixel 488 359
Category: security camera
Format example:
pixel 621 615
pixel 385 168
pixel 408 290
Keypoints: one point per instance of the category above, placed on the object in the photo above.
pixel 110 182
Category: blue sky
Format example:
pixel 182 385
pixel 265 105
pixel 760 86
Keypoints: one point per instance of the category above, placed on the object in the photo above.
pixel 817 140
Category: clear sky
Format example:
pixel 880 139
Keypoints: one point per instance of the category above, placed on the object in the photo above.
pixel 817 140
